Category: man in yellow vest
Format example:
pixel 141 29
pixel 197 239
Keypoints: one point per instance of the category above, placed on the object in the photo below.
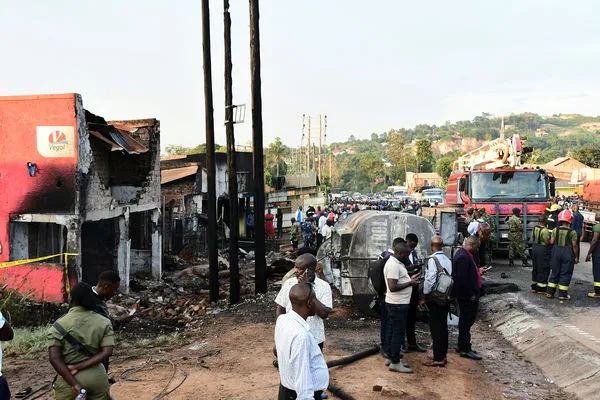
pixel 594 255
pixel 564 240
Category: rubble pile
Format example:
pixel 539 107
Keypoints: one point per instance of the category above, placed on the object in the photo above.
pixel 181 299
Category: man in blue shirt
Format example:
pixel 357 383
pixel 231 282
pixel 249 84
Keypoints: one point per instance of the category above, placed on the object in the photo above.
pixel 577 226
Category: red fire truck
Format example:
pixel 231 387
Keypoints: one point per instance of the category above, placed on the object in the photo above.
pixel 493 178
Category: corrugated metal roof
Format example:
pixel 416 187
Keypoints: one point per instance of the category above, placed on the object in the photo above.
pixel 118 136
pixel 113 145
pixel 170 175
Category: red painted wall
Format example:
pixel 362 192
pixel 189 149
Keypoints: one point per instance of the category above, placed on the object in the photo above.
pixel 52 190
pixel 43 282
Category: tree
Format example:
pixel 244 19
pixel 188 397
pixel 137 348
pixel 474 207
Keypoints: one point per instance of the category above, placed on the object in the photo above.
pixel 588 154
pixel 178 150
pixel 425 158
pixel 275 155
pixel 444 168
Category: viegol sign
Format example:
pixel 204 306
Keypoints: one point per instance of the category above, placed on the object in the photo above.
pixel 56 141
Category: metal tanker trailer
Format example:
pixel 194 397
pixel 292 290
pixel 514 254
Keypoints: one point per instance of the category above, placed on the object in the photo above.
pixel 360 239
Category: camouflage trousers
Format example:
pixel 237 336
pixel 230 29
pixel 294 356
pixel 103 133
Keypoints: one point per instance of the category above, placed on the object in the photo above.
pixel 515 246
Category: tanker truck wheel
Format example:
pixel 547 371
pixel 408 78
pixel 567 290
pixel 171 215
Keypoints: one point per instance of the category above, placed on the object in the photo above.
pixel 367 304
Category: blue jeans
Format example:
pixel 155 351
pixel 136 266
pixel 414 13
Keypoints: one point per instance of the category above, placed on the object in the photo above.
pixel 396 329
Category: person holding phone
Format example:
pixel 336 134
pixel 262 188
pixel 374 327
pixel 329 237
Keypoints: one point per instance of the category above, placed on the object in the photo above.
pixel 306 267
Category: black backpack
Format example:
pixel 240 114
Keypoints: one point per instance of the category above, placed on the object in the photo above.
pixel 376 275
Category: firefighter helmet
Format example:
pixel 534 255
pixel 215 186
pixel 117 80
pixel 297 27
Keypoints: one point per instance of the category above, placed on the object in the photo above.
pixel 565 216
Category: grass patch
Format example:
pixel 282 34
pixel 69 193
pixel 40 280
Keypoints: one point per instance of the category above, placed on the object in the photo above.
pixel 28 341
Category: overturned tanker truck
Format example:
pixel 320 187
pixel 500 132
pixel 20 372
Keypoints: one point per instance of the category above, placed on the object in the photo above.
pixel 358 240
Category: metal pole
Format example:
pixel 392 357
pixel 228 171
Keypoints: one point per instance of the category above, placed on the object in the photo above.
pixel 257 138
pixel 320 144
pixel 234 223
pixel 210 156
pixel 308 148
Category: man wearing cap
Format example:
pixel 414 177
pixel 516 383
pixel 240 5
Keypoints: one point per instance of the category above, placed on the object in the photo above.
pixel 515 238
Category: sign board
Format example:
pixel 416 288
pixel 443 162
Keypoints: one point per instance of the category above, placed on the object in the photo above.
pixel 56 141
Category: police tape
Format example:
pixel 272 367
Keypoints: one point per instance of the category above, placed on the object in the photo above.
pixel 33 260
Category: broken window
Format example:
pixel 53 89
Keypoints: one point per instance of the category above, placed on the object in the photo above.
pixel 29 240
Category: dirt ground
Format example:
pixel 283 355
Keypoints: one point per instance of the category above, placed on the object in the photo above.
pixel 228 356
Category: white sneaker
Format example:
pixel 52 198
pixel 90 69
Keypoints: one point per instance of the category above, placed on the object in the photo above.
pixel 400 368
pixel 387 362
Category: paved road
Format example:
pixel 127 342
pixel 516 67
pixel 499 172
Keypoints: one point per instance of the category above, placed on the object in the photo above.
pixel 578 318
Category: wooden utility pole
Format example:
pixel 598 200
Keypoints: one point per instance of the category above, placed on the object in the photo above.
pixel 260 264
pixel 320 147
pixel 234 223
pixel 308 148
pixel 210 156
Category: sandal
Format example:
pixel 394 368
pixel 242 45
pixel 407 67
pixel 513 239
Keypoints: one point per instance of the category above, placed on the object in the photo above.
pixel 567 297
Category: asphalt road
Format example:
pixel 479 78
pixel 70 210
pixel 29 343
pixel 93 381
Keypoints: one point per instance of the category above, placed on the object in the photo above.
pixel 578 317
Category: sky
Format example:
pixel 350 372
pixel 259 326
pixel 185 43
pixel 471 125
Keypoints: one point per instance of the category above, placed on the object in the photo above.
pixel 370 66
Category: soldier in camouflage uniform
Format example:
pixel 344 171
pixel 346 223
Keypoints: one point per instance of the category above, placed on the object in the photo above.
pixel 515 238
pixel 491 243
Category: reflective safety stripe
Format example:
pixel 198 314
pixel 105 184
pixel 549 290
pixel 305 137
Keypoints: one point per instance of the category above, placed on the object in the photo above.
pixel 533 282
pixel 541 284
pixel 563 287
pixel 552 284
pixel 597 284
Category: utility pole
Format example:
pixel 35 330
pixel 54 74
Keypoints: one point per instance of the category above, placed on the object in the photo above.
pixel 210 156
pixel 257 137
pixel 320 147
pixel 234 223
pixel 308 148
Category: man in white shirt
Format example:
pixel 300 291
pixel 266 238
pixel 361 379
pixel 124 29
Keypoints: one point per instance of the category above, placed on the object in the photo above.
pixel 6 334
pixel 306 265
pixel 327 230
pixel 399 287
pixel 321 223
pixel 303 372
pixel 438 314
pixel 474 225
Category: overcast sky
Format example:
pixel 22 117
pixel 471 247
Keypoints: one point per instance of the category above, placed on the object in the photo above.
pixel 369 65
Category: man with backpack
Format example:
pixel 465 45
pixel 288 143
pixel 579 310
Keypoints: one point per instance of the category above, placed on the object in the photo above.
pixel 439 267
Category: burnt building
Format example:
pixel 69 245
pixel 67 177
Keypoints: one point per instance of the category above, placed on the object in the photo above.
pixel 80 195
pixel 185 203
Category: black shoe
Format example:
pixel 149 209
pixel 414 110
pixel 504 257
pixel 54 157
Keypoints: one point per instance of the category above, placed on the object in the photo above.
pixel 472 350
pixel 471 355
pixel 415 348
pixel 511 263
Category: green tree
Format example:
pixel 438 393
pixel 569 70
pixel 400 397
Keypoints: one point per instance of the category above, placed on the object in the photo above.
pixel 275 155
pixel 444 168
pixel 588 155
pixel 425 159
pixel 178 150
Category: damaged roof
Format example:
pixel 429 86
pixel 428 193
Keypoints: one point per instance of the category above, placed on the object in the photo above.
pixel 118 139
pixel 170 175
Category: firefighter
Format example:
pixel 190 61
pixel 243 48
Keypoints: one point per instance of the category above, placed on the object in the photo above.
pixel 540 255
pixel 594 255
pixel 515 238
pixel 564 241
pixel 552 215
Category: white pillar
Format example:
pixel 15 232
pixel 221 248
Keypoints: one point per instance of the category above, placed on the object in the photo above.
pixel 156 245
pixel 124 250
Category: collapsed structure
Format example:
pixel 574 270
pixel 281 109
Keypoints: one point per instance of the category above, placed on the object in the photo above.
pixel 80 195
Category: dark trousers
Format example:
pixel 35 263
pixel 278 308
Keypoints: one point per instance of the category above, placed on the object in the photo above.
pixel 540 259
pixel 279 231
pixel 468 314
pixel 438 325
pixel 411 318
pixel 294 244
pixel 395 330
pixel 482 255
pixel 4 390
pixel 383 315
pixel 562 264
pixel 578 246
pixel 289 394
pixel 319 240
pixel 596 269
pixel 249 231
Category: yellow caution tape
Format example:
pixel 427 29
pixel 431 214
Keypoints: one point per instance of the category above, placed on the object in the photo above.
pixel 33 260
